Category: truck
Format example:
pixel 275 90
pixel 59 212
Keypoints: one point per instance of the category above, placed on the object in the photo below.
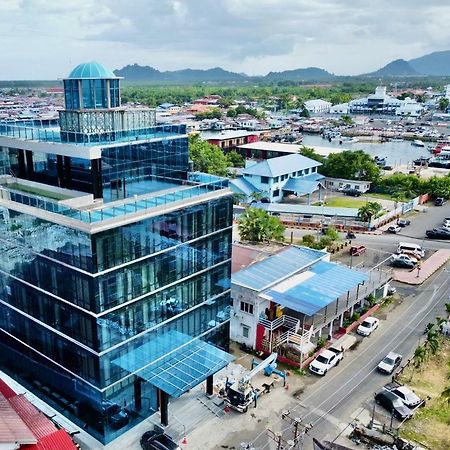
pixel 243 392
pixel 326 361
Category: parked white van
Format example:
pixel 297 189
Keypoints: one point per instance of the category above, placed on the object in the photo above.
pixel 409 247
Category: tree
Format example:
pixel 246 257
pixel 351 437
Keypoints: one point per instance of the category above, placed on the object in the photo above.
pixel 206 157
pixel 235 159
pixel 309 152
pixel 444 103
pixel 433 341
pixel 346 120
pixel 420 355
pixel 351 165
pixel 367 211
pixel 258 226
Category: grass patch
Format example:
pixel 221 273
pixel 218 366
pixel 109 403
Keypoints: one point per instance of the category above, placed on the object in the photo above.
pixel 431 424
pixel 344 202
pixel 379 195
pixel 36 191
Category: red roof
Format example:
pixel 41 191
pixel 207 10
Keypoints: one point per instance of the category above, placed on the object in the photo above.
pixel 20 417
pixel 59 440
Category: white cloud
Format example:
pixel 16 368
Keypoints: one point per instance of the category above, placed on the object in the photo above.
pixel 253 36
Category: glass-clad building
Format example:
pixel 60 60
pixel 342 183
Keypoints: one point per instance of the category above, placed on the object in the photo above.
pixel 115 260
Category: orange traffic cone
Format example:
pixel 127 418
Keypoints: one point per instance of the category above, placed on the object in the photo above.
pixel 184 441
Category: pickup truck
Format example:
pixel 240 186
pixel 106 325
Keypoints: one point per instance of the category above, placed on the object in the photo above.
pixel 326 360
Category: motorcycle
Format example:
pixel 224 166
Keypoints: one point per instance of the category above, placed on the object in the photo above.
pixel 350 235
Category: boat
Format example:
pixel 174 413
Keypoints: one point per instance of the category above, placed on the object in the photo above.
pixel 441 143
pixel 442 160
pixel 418 143
pixel 422 161
pixel 349 140
pixel 380 161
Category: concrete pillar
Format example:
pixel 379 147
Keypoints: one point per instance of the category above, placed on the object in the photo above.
pixel 330 331
pixel 320 332
pixel 164 407
pixel 352 309
pixel 209 385
pixel 341 320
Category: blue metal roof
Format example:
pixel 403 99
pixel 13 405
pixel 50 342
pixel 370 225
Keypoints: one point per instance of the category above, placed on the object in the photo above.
pixel 324 282
pixel 179 362
pixel 91 69
pixel 328 211
pixel 242 185
pixel 282 165
pixel 261 275
pixel 301 186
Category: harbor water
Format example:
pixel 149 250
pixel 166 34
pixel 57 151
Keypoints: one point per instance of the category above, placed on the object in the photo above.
pixel 396 153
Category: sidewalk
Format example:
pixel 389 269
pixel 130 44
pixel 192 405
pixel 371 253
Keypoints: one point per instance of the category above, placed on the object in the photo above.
pixel 433 263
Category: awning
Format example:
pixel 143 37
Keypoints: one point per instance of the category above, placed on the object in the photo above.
pixel 180 362
pixel 310 291
pixel 301 186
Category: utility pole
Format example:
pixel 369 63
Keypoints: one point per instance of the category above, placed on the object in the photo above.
pixel 298 428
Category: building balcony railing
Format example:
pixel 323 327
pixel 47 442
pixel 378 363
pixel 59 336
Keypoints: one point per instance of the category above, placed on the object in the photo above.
pixel 196 185
pixel 36 132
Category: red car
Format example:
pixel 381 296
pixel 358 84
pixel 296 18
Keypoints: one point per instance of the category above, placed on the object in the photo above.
pixel 357 250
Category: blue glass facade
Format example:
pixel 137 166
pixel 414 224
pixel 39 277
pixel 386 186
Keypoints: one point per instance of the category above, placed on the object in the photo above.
pixel 87 308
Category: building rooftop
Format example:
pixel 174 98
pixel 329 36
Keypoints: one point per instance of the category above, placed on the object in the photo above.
pixel 262 275
pixel 316 287
pixel 227 134
pixel 327 211
pixel 271 146
pixel 91 70
pixel 275 167
pixel 167 195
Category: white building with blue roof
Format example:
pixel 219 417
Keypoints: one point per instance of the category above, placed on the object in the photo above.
pixel 295 295
pixel 276 177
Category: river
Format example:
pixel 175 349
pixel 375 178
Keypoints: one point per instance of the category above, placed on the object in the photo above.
pixel 396 153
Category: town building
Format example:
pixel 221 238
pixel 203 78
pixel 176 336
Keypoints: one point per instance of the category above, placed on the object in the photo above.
pixel 274 178
pixel 230 139
pixel 318 106
pixel 286 301
pixel 341 108
pixel 338 184
pixel 410 107
pixel 377 103
pixel 116 260
pixel 265 150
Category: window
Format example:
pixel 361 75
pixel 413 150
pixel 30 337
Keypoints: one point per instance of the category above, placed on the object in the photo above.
pixel 247 307
pixel 245 331
pixel 306 171
pixel 276 192
pixel 264 180
pixel 275 180
pixel 357 187
pixel 314 169
pixel 300 173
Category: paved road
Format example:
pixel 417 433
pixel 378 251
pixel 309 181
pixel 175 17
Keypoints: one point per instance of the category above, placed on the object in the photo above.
pixel 332 402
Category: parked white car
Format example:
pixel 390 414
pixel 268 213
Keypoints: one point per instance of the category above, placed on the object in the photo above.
pixel 368 325
pixel 403 257
pixel 405 394
pixel 447 222
pixel 325 361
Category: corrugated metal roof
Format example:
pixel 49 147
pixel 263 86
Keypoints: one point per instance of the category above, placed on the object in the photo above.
pixel 302 187
pixel 328 211
pixel 325 283
pixel 242 185
pixel 275 167
pixel 6 390
pixel 263 274
pixel 59 440
pixel 12 428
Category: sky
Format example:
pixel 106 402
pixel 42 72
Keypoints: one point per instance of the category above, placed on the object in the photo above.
pixel 45 39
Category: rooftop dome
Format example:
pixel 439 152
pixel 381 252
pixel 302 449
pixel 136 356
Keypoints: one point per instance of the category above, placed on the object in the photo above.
pixel 91 70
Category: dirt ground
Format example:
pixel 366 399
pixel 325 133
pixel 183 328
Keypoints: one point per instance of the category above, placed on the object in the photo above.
pixel 431 424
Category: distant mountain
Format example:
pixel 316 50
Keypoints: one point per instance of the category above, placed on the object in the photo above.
pixel 397 68
pixel 435 64
pixel 135 72
pixel 307 74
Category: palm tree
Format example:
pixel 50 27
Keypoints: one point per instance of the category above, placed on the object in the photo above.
pixel 420 355
pixel 367 211
pixel 433 342
pixel 256 225
pixel 447 308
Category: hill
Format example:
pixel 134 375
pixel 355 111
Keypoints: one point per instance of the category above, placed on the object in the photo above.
pixel 435 64
pixel 137 73
pixel 397 68
pixel 307 74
